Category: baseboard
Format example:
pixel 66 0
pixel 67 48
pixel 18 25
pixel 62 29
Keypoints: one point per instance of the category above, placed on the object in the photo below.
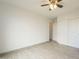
pixel 24 47
pixel 66 44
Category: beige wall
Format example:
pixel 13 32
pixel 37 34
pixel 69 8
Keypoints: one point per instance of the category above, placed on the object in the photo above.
pixel 66 30
pixel 22 28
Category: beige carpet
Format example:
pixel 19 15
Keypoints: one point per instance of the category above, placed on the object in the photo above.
pixel 49 50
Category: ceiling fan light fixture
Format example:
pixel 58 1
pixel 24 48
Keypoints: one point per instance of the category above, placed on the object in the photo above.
pixel 53 6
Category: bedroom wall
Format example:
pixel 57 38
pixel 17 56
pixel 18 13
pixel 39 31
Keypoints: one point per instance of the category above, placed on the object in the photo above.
pixel 67 31
pixel 21 28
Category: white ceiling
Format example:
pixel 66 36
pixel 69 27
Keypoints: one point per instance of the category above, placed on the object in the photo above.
pixel 34 6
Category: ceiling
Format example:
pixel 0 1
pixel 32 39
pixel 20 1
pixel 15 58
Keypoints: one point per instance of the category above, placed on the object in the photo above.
pixel 34 6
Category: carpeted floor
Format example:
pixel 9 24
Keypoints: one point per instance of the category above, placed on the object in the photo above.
pixel 49 50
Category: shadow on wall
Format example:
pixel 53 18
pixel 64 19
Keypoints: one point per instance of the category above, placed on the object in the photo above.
pixel 2 36
pixel 51 28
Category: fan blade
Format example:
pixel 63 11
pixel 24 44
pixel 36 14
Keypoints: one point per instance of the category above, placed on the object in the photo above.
pixel 59 0
pixel 44 5
pixel 60 6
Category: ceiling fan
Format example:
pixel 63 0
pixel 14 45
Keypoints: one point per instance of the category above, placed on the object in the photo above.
pixel 53 4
